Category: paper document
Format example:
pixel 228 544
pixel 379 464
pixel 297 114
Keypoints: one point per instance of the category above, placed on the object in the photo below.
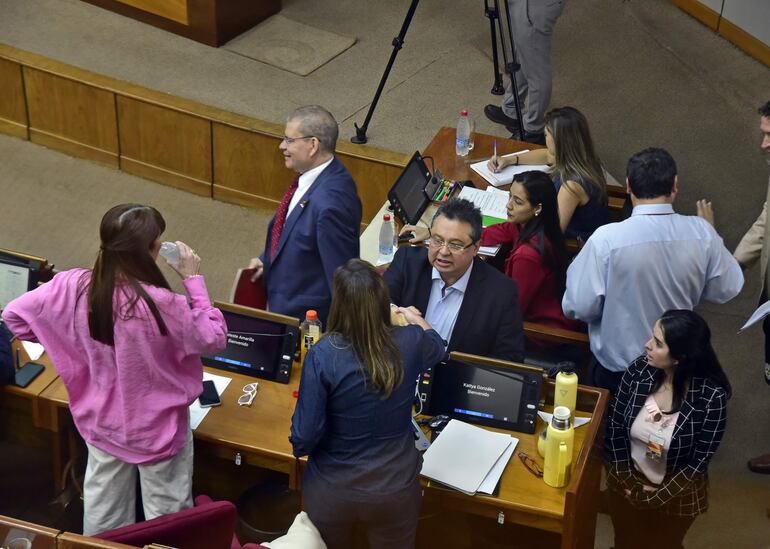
pixel 576 422
pixel 761 312
pixel 491 480
pixel 492 204
pixel 34 350
pixel 505 176
pixel 463 456
pixel 196 412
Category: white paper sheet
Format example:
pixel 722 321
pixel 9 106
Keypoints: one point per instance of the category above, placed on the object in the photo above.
pixel 761 312
pixel 197 414
pixel 491 480
pixel 463 456
pixel 34 350
pixel 491 204
pixel 577 421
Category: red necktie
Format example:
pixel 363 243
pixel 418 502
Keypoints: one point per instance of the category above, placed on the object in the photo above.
pixel 280 217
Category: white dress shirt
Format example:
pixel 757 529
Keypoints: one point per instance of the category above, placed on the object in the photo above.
pixel 445 302
pixel 629 273
pixel 305 181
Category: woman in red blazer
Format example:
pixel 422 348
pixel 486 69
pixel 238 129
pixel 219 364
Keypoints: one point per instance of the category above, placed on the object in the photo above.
pixel 538 259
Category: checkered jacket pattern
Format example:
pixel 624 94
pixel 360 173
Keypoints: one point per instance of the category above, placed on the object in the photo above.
pixel 696 436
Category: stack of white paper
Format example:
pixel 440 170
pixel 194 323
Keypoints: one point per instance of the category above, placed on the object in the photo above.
pixel 505 176
pixel 468 458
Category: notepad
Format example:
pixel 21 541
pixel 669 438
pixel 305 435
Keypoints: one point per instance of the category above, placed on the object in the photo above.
pixel 197 413
pixel 505 176
pixel 468 458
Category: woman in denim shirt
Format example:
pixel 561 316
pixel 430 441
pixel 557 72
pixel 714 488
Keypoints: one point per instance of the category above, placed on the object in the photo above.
pixel 353 415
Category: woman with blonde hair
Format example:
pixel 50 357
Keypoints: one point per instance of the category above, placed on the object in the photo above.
pixel 575 168
pixel 353 414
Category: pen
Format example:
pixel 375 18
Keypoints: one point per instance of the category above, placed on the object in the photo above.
pixel 494 148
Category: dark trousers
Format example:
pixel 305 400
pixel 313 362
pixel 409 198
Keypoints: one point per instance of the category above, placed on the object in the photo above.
pixel 599 376
pixel 766 329
pixel 390 520
pixel 645 528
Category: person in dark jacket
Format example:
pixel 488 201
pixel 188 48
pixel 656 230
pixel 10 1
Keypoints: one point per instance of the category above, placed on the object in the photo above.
pixel 353 415
pixel 665 423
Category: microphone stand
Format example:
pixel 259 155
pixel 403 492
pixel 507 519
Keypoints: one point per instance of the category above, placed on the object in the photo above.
pixel 398 42
pixel 511 67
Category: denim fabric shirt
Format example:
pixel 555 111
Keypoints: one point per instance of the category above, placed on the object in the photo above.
pixel 357 441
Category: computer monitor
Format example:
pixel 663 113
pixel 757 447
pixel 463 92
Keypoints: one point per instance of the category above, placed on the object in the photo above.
pixel 259 343
pixel 412 192
pixel 485 391
pixel 19 273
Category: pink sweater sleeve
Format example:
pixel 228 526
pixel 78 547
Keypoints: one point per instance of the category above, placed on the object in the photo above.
pixel 205 330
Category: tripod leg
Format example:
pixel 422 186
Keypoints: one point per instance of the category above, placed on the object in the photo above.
pixel 512 67
pixel 398 43
pixel 492 14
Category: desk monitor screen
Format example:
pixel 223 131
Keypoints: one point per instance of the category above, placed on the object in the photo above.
pixel 259 343
pixel 18 274
pixel 408 196
pixel 496 396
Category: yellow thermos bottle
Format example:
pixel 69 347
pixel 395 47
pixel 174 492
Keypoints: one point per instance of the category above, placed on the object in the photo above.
pixel 565 392
pixel 558 453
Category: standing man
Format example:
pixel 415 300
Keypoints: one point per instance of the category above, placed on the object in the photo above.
pixel 630 273
pixel 754 245
pixel 315 229
pixel 532 23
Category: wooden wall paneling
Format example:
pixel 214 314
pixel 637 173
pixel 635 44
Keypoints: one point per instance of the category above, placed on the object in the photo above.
pixel 745 41
pixel 71 116
pixel 699 11
pixel 13 107
pixel 165 145
pixel 248 167
pixel 373 181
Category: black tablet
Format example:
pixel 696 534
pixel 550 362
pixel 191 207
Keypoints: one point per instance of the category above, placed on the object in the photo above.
pixel 472 390
pixel 259 343
pixel 408 195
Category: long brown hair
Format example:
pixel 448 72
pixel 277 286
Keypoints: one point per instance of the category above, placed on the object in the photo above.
pixel 127 232
pixel 360 313
pixel 574 155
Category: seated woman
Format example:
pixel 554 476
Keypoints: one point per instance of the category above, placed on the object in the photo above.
pixel 353 414
pixel 665 423
pixel 127 349
pixel 576 170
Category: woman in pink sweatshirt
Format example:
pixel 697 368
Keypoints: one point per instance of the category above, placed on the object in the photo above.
pixel 127 349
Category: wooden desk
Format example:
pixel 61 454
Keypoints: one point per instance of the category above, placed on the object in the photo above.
pixel 40 536
pixel 526 500
pixel 68 540
pixel 260 433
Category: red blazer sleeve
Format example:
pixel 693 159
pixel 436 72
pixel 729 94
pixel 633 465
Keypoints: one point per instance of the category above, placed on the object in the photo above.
pixel 502 233
pixel 527 269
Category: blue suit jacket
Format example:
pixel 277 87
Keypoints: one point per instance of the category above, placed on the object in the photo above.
pixel 320 234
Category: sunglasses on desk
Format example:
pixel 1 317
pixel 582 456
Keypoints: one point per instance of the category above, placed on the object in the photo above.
pixel 249 392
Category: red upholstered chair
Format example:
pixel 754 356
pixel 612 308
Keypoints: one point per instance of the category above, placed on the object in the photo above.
pixel 208 525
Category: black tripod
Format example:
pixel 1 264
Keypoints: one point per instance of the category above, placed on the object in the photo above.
pixel 398 43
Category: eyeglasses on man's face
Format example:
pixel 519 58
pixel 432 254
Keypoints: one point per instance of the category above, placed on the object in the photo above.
pixel 454 247
pixel 290 140
pixel 249 392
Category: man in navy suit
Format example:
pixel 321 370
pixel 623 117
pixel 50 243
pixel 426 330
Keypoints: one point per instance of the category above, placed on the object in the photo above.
pixel 316 227
pixel 472 305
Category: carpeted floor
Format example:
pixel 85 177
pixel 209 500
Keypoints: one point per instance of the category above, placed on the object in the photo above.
pixel 642 71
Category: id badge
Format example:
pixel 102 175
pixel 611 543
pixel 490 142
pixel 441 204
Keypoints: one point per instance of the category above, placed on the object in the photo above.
pixel 655 446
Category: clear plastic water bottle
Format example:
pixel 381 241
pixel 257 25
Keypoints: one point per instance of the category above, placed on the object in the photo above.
pixel 463 134
pixel 387 237
pixel 170 252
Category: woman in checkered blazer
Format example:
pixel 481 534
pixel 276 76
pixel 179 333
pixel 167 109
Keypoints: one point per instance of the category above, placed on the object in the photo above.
pixel 665 423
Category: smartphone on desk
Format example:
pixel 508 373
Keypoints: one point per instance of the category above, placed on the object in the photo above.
pixel 209 397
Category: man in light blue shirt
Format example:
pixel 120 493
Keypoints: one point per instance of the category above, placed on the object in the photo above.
pixel 629 273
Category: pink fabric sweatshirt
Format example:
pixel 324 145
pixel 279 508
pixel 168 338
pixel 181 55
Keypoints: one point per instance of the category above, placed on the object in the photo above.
pixel 129 400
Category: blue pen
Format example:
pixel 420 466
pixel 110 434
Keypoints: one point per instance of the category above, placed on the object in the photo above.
pixel 494 149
